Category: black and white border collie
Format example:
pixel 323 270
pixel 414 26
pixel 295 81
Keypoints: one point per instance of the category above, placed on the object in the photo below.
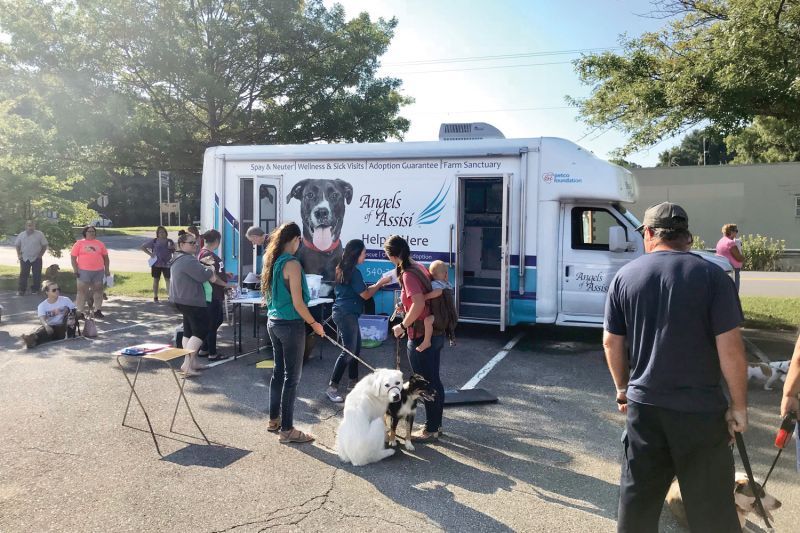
pixel 415 389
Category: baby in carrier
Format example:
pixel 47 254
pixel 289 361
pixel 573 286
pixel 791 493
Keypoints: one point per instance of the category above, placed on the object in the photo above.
pixel 442 302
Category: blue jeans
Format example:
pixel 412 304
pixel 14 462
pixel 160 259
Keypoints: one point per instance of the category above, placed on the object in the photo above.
pixel 427 365
pixel 25 268
pixel 288 343
pixel 215 318
pixel 347 325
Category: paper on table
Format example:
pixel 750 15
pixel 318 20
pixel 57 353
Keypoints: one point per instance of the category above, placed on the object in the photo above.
pixel 151 346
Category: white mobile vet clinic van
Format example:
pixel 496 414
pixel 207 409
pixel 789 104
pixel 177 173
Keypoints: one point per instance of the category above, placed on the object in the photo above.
pixel 533 230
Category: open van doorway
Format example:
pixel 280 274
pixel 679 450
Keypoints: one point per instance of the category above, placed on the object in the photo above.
pixel 260 206
pixel 482 252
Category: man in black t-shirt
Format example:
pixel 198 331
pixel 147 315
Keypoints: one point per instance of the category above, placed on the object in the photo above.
pixel 680 316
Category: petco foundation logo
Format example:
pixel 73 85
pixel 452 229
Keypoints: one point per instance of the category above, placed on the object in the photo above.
pixel 560 177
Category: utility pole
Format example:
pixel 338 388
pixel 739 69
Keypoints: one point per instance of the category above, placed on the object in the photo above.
pixel 705 152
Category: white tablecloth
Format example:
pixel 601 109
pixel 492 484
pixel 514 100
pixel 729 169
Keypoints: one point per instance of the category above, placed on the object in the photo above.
pixel 257 300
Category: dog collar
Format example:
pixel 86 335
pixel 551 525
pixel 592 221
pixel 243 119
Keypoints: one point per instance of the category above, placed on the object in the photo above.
pixel 310 245
pixel 399 391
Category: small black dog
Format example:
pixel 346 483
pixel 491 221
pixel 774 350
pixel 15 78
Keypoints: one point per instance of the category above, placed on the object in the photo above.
pixel 415 389
pixel 72 324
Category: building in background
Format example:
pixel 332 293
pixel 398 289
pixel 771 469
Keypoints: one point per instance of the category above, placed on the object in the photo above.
pixel 763 199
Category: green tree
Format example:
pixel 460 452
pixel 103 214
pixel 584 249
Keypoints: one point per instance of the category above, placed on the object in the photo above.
pixel 720 61
pixel 624 163
pixel 152 84
pixel 767 140
pixel 34 188
pixel 116 89
pixel 690 151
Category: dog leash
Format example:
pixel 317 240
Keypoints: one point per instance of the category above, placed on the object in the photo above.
pixel 781 440
pixel 396 342
pixel 750 479
pixel 345 350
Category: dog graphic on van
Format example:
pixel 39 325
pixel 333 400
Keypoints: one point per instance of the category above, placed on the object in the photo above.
pixel 322 206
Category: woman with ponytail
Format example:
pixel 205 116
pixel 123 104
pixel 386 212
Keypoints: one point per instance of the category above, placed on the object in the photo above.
pixel 415 282
pixel 283 285
pixel 351 292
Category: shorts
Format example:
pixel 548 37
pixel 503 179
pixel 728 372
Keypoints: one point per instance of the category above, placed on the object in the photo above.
pixel 157 271
pixel 195 321
pixel 92 277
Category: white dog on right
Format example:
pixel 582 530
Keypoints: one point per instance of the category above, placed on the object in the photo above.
pixel 768 372
pixel 361 435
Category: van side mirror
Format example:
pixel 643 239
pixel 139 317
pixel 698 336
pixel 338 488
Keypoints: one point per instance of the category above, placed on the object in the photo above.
pixel 616 239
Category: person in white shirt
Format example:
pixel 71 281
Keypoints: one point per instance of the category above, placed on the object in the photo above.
pixel 52 314
pixel 31 245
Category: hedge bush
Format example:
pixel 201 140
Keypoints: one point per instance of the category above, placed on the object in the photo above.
pixel 761 253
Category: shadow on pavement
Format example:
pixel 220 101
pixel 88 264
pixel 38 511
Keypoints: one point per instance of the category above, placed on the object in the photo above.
pixel 205 455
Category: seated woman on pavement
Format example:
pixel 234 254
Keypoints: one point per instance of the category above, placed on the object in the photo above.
pixel 52 314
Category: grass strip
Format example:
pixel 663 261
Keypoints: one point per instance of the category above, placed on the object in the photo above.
pixel 139 284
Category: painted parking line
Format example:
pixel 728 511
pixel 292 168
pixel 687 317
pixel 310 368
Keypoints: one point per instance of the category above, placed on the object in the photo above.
pixel 493 361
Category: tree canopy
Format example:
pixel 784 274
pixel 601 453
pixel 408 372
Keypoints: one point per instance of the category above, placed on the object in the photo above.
pixel 111 88
pixel 730 63
pixel 692 147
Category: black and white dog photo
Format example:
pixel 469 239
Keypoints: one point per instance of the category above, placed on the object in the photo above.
pixel 322 207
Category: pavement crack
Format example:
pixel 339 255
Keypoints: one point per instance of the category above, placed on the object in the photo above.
pixel 290 515
pixel 51 452
pixel 338 509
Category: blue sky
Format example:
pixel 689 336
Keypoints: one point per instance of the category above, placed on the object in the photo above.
pixel 523 98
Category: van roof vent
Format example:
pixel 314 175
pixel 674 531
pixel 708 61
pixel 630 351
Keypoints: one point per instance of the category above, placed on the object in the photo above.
pixel 467 131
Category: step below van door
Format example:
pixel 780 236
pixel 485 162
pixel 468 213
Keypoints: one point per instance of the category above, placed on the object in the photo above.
pixel 587 266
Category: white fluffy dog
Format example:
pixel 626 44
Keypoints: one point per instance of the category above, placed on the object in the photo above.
pixel 360 439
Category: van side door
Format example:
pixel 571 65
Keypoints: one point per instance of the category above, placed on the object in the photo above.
pixel 586 264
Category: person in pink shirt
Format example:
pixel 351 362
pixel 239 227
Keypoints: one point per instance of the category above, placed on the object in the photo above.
pixel 730 247
pixel 90 264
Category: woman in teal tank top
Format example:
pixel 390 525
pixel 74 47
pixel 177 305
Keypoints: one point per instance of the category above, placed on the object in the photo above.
pixel 283 285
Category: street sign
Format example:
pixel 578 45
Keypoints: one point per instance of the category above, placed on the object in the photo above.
pixel 102 201
pixel 170 207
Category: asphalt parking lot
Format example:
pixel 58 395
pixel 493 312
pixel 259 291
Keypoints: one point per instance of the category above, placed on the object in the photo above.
pixel 544 458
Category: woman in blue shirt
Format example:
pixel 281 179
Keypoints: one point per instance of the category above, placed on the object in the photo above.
pixel 351 291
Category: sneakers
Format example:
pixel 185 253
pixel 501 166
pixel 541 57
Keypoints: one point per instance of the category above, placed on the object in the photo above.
pixel 29 339
pixel 333 395
pixel 98 314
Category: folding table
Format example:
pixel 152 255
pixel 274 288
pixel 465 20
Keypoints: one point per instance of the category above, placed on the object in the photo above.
pixel 165 356
pixel 255 302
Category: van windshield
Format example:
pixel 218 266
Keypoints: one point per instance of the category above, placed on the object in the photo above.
pixel 629 216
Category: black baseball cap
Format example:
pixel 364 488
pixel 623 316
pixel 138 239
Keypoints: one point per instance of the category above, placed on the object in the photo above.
pixel 665 215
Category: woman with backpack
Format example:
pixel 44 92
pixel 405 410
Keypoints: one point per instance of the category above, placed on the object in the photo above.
pixel 283 284
pixel 415 281
pixel 351 292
